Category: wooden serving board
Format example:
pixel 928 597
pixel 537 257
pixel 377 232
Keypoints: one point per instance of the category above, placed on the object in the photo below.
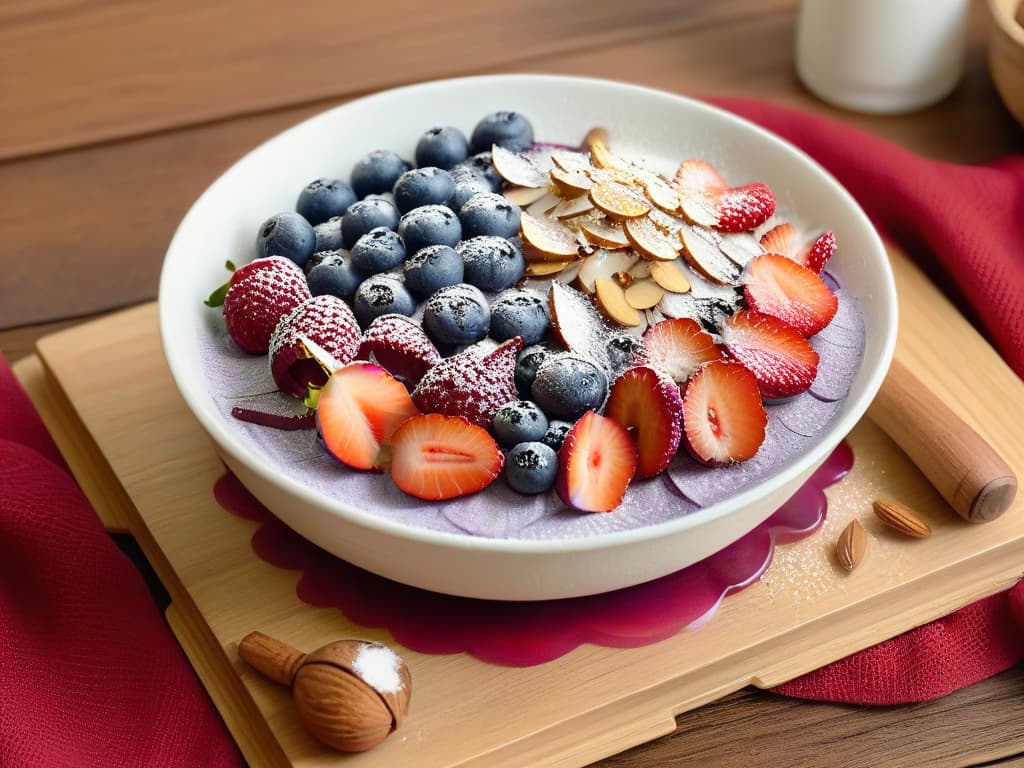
pixel 105 391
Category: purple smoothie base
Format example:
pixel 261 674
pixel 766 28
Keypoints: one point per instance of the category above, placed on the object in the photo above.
pixel 236 379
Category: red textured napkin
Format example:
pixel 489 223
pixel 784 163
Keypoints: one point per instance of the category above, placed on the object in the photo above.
pixel 90 675
pixel 965 226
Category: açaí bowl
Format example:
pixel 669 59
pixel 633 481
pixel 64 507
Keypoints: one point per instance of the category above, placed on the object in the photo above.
pixel 642 122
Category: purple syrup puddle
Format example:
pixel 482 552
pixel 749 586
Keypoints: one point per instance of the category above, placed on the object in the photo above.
pixel 523 634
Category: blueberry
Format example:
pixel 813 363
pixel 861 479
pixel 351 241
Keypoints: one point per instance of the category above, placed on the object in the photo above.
pixel 381 295
pixel 567 386
pixel 555 435
pixel 328 236
pixel 480 165
pixel 288 235
pixel 378 250
pixel 377 172
pixel 491 263
pixel 489 214
pixel 621 350
pixel 365 215
pixel 531 468
pixel 321 199
pixel 519 313
pixel 333 274
pixel 518 422
pixel 456 314
pixel 467 184
pixel 432 268
pixel 441 147
pixel 423 186
pixel 529 360
pixel 506 129
pixel 430 225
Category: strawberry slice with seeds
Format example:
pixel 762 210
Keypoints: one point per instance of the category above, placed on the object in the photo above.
pixel 723 417
pixel 437 457
pixel 784 238
pixel 782 361
pixel 595 464
pixel 358 411
pixel 679 346
pixel 471 385
pixel 705 198
pixel 401 346
pixel 778 286
pixel 648 403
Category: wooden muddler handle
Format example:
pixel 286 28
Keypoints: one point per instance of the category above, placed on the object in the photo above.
pixel 964 468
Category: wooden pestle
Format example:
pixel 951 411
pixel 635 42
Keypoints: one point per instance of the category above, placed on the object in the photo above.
pixel 964 469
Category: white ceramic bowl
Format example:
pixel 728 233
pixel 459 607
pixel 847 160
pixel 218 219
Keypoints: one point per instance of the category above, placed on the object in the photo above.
pixel 643 122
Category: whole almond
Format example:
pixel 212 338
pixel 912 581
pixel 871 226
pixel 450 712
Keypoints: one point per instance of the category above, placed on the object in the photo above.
pixel 901 518
pixel 852 545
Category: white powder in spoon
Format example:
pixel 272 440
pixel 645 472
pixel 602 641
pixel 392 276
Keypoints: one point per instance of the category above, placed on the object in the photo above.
pixel 379 667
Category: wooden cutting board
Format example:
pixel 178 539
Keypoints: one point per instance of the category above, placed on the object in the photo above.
pixel 106 393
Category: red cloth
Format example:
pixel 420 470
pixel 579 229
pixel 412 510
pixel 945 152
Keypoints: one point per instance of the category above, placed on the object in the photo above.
pixel 90 675
pixel 965 226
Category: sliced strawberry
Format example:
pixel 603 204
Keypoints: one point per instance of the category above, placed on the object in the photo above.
pixel 784 239
pixel 778 286
pixel 471 385
pixel 441 457
pixel 399 344
pixel 679 347
pixel 723 416
pixel 325 320
pixel 706 199
pixel 649 403
pixel 743 208
pixel 780 358
pixel 595 464
pixel 819 252
pixel 259 295
pixel 358 411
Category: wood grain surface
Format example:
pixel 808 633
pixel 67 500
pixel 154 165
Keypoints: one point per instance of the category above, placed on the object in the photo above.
pixel 116 115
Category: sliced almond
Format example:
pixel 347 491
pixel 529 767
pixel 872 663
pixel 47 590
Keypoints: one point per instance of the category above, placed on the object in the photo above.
pixel 545 268
pixel 570 209
pixel 668 223
pixel 703 255
pixel 604 233
pixel 669 276
pixel 604 264
pixel 568 160
pixel 901 518
pixel 618 200
pixel 648 240
pixel 661 194
pixel 644 294
pixel 542 207
pixel 852 545
pixel 642 268
pixel 524 196
pixel 611 300
pixel 601 156
pixel 740 248
pixel 571 183
pixel 551 238
pixel 516 169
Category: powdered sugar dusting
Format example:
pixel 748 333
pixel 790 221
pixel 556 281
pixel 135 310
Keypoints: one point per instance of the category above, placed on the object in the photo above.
pixel 379 667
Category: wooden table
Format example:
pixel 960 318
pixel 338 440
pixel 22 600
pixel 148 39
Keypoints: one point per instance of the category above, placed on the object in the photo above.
pixel 117 115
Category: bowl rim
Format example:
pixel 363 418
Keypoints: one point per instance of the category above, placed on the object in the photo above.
pixel 813 456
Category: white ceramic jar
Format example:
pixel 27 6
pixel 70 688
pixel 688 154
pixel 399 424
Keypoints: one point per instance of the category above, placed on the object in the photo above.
pixel 881 56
